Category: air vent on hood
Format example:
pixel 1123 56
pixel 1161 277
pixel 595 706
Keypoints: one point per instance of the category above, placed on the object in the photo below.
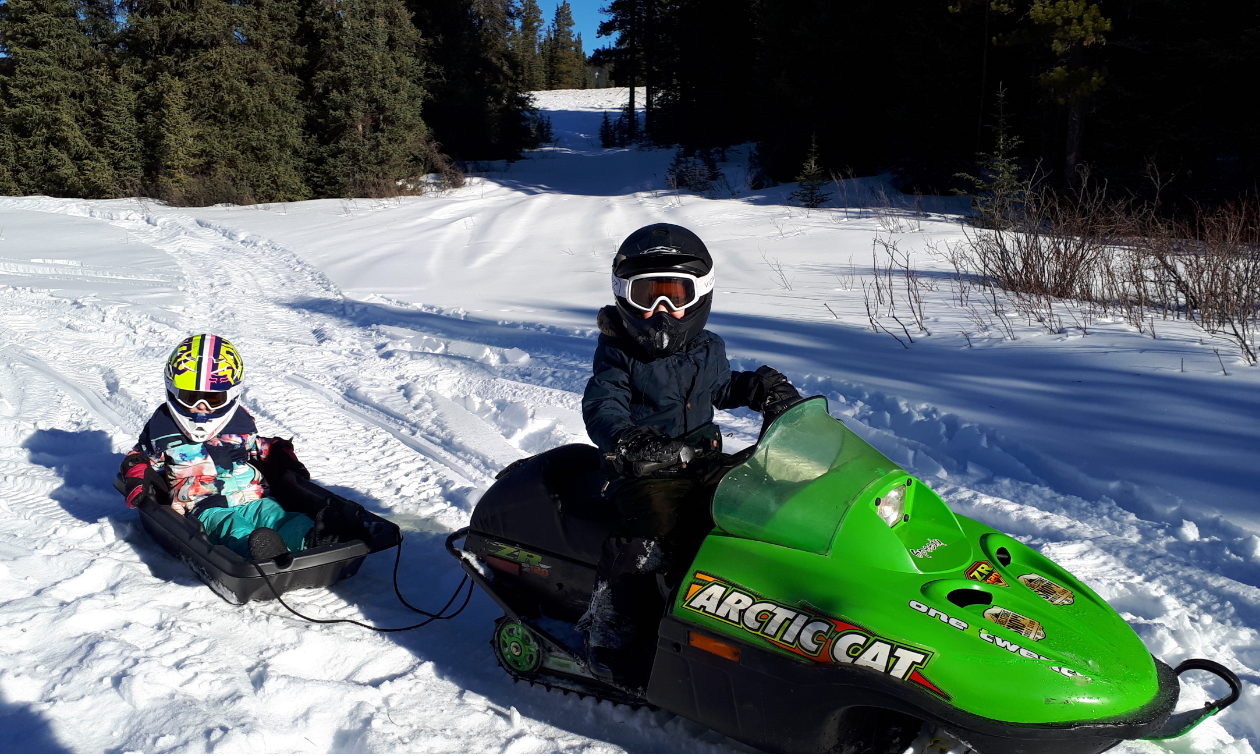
pixel 969 597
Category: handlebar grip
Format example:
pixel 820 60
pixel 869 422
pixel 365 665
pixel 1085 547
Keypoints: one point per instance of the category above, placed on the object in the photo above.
pixel 685 456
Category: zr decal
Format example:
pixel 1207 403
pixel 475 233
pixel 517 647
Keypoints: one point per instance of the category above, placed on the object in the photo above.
pixel 528 562
pixel 809 634
pixel 983 572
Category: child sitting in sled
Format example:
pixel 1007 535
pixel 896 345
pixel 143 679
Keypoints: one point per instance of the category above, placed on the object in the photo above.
pixel 203 448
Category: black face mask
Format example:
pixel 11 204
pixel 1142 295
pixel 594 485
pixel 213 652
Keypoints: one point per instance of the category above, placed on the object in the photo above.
pixel 662 334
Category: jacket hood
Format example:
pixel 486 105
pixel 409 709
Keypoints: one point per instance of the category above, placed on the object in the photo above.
pixel 609 322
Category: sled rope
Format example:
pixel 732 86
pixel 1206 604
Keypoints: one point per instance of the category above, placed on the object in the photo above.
pixel 440 615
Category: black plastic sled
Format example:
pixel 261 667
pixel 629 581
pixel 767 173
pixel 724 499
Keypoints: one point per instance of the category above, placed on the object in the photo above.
pixel 231 575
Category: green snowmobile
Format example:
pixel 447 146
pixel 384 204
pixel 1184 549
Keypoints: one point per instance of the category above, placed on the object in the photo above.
pixel 838 605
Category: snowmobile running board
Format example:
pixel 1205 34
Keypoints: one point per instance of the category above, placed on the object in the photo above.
pixel 583 683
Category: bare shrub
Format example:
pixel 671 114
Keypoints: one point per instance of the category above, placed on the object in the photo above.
pixel 1077 254
pixel 881 295
pixel 1207 268
pixel 780 277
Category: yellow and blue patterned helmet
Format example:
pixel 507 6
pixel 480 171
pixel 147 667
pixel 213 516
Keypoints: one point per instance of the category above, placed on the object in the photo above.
pixel 204 377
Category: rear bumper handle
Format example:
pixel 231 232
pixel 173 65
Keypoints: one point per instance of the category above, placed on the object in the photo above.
pixel 1180 724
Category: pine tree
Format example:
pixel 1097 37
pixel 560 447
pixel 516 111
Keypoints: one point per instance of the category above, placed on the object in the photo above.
pixel 703 89
pixel 66 124
pixel 526 45
pixel 607 136
pixel 999 188
pixel 478 101
pixel 1069 27
pixel 565 61
pixel 366 100
pixel 173 139
pixel 628 20
pixel 812 179
pixel 224 73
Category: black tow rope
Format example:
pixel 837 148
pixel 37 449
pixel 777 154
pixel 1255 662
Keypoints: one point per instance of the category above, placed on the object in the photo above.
pixel 432 617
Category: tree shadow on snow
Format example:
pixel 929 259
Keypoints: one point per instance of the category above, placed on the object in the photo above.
pixel 23 730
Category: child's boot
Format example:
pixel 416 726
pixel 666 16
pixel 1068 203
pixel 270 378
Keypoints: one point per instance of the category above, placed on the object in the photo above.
pixel 266 544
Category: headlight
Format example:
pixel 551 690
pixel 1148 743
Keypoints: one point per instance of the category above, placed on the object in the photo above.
pixel 892 507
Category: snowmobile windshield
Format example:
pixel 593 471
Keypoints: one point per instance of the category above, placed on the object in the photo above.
pixel 795 489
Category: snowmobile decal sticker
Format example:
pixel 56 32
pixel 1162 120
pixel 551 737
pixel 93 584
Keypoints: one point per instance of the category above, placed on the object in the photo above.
pixel 1014 648
pixel 528 562
pixel 807 633
pixel 987 637
pixel 1072 674
pixel 1048 589
pixel 925 552
pixel 954 622
pixel 1025 626
pixel 983 572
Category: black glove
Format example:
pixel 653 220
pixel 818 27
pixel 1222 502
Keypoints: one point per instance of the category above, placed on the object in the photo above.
pixel 340 521
pixel 141 483
pixel 777 395
pixel 642 450
pixel 282 459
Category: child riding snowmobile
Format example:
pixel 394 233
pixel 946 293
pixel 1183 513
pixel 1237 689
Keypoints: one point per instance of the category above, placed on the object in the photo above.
pixel 837 606
pixel 657 377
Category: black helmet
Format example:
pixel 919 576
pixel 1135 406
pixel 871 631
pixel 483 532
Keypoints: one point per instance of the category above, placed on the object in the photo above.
pixel 642 278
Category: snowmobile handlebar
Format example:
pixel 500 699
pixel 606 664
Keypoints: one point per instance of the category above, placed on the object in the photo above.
pixel 679 456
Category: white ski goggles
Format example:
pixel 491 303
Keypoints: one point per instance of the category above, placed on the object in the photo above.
pixel 677 291
pixel 215 400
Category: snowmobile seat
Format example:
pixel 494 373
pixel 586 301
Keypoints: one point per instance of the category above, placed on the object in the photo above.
pixel 231 575
pixel 552 502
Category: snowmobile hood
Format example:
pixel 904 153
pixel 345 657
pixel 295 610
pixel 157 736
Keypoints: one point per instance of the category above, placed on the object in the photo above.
pixel 812 567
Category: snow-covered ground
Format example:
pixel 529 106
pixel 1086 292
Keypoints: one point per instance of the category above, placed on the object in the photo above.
pixel 413 347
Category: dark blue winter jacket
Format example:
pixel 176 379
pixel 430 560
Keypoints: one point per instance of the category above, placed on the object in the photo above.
pixel 675 394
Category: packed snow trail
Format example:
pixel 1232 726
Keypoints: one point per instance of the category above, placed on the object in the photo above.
pixel 102 626
pixel 466 345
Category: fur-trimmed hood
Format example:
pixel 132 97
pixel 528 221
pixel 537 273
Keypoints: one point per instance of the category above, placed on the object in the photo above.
pixel 609 322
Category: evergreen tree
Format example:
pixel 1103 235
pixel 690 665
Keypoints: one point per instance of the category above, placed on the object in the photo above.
pixel 67 127
pixel 527 45
pixel 999 188
pixel 566 63
pixel 367 91
pixel 628 20
pixel 173 138
pixel 224 98
pixel 478 102
pixel 1068 27
pixel 701 98
pixel 812 179
pixel 607 136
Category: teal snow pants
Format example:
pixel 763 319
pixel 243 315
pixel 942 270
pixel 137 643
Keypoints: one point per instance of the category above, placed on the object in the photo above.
pixel 231 526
